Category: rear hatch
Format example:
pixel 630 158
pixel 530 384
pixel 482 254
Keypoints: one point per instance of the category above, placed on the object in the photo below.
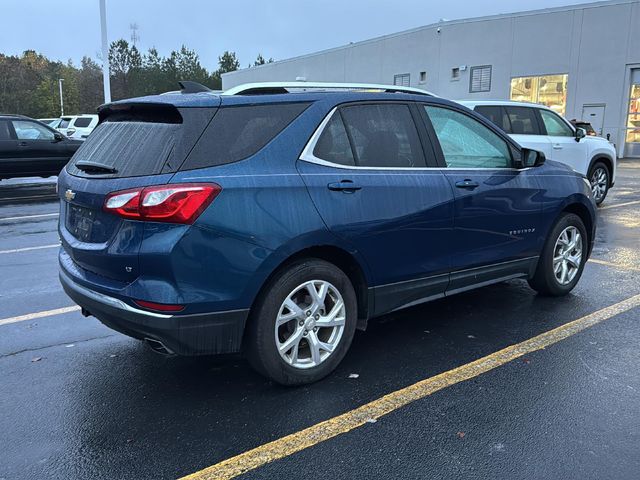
pixel 135 145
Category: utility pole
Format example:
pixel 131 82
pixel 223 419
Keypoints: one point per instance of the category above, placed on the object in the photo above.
pixel 105 53
pixel 60 80
pixel 134 33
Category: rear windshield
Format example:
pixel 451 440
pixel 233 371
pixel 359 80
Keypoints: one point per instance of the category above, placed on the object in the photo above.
pixel 140 141
pixel 236 133
pixel 82 122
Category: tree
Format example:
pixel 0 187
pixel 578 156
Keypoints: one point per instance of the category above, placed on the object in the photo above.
pixel 227 62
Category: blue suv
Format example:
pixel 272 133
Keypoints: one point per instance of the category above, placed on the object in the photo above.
pixel 275 219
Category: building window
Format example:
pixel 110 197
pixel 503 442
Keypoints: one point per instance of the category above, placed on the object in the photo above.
pixel 549 90
pixel 455 73
pixel 480 79
pixel 423 77
pixel 402 79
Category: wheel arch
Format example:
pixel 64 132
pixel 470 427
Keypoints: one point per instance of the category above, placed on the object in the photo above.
pixel 341 258
pixel 609 163
pixel 583 212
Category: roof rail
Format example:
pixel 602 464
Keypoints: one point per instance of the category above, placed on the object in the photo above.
pixel 266 88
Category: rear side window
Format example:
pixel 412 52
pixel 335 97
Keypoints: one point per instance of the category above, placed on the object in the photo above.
pixel 4 131
pixel 236 133
pixel 333 144
pixel 523 121
pixel 383 136
pixel 82 122
pixel 495 114
pixel 64 122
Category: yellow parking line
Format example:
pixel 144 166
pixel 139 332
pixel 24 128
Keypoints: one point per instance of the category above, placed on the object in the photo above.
pixel 33 316
pixel 350 420
pixel 615 205
pixel 614 265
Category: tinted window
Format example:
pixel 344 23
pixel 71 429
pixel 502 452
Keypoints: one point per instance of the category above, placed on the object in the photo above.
pixel 333 144
pixel 466 143
pixel 495 114
pixel 383 136
pixel 523 121
pixel 4 131
pixel 26 130
pixel 82 122
pixel 554 125
pixel 132 148
pixel 236 133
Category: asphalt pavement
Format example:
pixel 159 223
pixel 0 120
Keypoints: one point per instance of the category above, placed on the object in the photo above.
pixel 79 401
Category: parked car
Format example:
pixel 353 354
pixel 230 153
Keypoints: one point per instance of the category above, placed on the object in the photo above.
pixel 81 126
pixel 540 128
pixel 29 148
pixel 586 126
pixel 52 122
pixel 276 220
pixel 64 123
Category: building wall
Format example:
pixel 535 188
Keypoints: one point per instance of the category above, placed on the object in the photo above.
pixel 595 44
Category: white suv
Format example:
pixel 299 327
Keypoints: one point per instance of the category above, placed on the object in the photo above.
pixel 540 128
pixel 78 127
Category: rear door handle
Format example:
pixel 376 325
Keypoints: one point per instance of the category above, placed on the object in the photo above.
pixel 346 186
pixel 468 184
pixel 557 146
pixel 22 144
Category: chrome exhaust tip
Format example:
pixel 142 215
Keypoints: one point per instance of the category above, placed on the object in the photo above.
pixel 158 347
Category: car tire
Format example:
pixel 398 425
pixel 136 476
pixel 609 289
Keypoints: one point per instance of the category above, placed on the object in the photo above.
pixel 600 180
pixel 286 314
pixel 556 273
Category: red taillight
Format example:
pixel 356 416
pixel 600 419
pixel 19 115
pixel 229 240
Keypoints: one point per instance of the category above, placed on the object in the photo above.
pixel 177 203
pixel 161 307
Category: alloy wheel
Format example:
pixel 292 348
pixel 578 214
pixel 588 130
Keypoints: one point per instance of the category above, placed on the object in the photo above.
pixel 599 182
pixel 310 324
pixel 567 255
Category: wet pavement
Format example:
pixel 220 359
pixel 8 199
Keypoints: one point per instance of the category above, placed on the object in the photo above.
pixel 78 400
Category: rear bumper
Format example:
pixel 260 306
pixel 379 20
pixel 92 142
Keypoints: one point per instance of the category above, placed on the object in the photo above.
pixel 199 334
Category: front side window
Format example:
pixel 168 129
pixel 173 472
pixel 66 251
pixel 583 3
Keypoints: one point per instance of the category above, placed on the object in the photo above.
pixel 26 130
pixel 465 142
pixel 555 126
pixel 523 121
pixel 383 136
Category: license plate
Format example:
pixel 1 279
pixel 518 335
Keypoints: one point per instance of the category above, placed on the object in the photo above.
pixel 80 222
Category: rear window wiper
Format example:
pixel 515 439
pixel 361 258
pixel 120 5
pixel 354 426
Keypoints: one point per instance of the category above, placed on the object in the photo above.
pixel 95 167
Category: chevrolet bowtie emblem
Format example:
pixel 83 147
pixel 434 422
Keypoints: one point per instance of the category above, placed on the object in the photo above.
pixel 69 195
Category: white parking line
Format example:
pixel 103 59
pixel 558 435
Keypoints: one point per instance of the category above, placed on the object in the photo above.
pixel 620 205
pixel 28 249
pixel 33 316
pixel 42 215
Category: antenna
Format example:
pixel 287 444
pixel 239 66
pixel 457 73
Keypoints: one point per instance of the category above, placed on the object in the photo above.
pixel 135 38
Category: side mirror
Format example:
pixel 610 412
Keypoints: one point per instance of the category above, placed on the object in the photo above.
pixel 580 134
pixel 531 158
pixel 58 136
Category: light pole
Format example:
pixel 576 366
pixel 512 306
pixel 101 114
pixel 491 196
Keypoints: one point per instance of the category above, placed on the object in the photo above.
pixel 60 80
pixel 105 53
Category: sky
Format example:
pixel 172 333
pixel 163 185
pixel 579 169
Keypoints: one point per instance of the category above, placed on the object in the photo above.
pixel 281 29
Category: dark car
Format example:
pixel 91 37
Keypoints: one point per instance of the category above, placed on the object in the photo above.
pixel 29 148
pixel 275 220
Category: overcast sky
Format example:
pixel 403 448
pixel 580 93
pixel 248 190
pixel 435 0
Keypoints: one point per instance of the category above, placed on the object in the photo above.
pixel 69 29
